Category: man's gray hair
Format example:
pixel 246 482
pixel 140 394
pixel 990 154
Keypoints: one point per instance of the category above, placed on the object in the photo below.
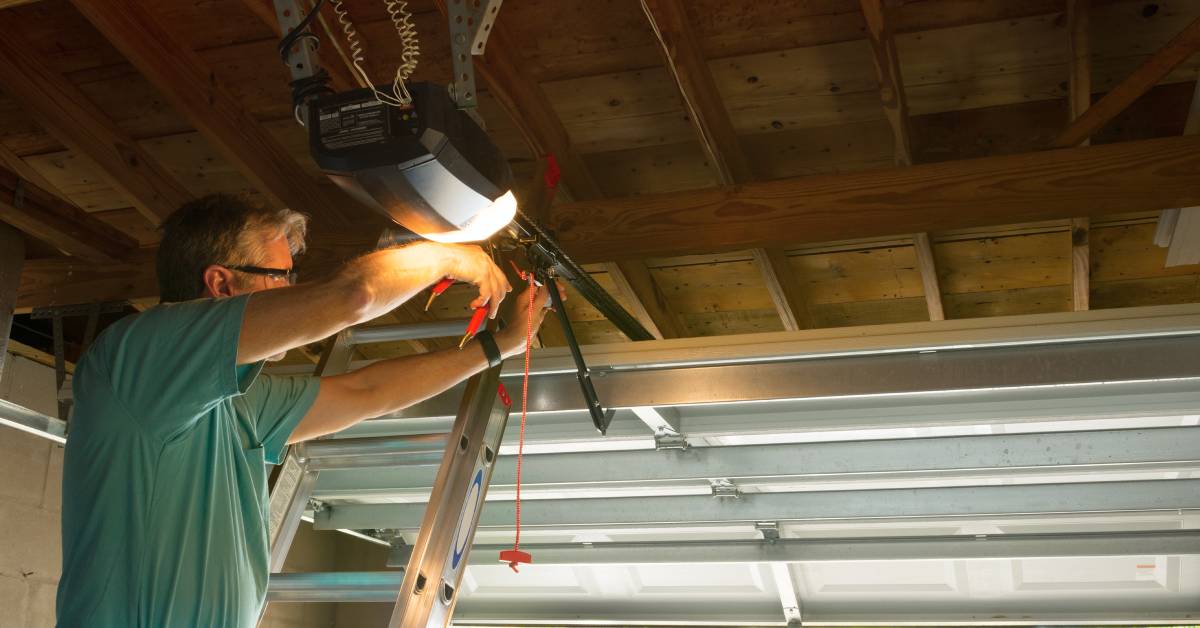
pixel 219 229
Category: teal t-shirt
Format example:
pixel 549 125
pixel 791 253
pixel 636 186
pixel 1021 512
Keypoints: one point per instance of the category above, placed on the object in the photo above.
pixel 164 516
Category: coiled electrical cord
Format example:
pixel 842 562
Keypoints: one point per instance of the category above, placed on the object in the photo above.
pixel 402 20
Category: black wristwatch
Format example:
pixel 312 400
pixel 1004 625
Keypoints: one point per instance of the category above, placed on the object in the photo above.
pixel 490 348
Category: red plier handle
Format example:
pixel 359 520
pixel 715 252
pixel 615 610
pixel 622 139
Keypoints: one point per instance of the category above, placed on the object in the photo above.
pixel 437 289
pixel 477 319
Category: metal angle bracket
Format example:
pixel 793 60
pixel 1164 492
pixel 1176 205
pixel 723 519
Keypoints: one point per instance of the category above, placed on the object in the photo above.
pixel 769 530
pixel 724 488
pixel 670 440
pixel 471 23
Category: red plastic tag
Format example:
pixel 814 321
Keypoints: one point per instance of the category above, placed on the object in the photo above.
pixel 515 557
pixel 504 397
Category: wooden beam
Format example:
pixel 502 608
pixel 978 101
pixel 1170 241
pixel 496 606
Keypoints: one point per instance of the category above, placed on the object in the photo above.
pixel 18 166
pixel 927 264
pixel 702 101
pixel 35 355
pixel 878 17
pixel 58 223
pixel 887 71
pixel 1050 185
pixel 649 304
pixel 68 114
pixel 192 87
pixel 710 119
pixel 1155 69
pixel 341 75
pixel 1079 100
pixel 782 284
pixel 47 282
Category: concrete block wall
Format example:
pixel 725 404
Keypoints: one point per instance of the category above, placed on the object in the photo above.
pixel 30 503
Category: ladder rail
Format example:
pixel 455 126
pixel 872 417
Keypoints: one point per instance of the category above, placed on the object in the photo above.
pixel 434 573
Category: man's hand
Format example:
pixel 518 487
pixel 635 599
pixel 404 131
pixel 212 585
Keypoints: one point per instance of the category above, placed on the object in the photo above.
pixel 511 339
pixel 471 264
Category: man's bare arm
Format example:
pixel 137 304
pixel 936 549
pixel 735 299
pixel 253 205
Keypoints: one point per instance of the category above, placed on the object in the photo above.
pixel 282 319
pixel 391 385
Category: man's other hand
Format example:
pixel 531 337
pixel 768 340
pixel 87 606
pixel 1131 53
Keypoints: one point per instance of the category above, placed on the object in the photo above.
pixel 511 339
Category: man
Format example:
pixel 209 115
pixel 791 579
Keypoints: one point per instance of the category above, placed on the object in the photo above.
pixel 164 478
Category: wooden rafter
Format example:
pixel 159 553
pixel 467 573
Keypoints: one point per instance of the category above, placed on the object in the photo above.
pixel 685 61
pixel 702 101
pixel 927 265
pixel 68 114
pixel 193 88
pixel 1079 97
pixel 649 304
pixel 880 34
pixel 46 217
pixel 783 287
pixel 1051 185
pixel 887 72
pixel 1155 69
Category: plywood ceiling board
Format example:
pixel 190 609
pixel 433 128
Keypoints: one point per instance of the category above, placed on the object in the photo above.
pixel 879 312
pixel 618 111
pixel 997 264
pixel 1009 302
pixel 1152 291
pixel 722 287
pixel 869 275
pixel 671 167
pixel 823 150
pixel 1122 253
pixel 574 39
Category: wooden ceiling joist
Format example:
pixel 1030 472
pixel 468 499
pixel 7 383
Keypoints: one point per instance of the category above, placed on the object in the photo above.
pixel 67 113
pixel 783 287
pixel 1155 69
pixel 881 35
pixel 1079 100
pixel 887 71
pixel 687 65
pixel 647 302
pixel 1061 184
pixel 193 88
pixel 927 265
pixel 46 217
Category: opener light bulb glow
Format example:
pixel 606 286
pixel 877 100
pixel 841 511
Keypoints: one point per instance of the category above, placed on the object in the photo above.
pixel 482 225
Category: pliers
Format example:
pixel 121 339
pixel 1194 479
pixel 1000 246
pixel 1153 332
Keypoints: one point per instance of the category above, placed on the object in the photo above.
pixel 477 319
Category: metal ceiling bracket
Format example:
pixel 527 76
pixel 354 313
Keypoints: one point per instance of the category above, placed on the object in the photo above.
pixel 471 23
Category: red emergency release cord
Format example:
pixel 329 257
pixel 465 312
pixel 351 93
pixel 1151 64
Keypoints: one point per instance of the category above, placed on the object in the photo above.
pixel 515 555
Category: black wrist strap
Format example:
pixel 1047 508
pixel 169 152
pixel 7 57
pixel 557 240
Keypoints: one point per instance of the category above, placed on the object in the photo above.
pixel 490 349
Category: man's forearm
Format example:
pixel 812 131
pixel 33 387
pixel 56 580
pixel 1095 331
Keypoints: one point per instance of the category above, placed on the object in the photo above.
pixel 387 386
pixel 364 289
